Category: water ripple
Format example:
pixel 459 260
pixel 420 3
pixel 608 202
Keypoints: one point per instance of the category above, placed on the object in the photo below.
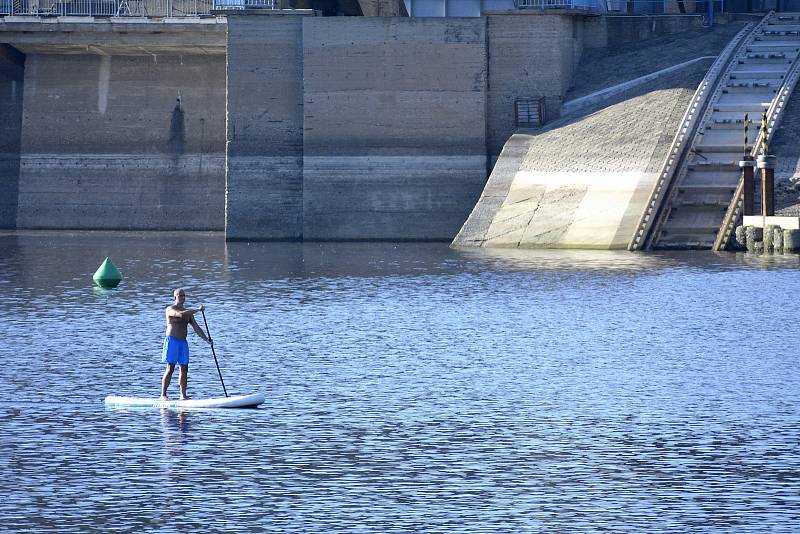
pixel 410 388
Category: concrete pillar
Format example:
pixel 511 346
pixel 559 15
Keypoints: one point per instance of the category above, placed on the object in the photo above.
pixel 264 174
pixel 769 234
pixel 767 166
pixel 748 171
pixel 791 240
pixel 740 238
pixel 754 237
pixel 777 239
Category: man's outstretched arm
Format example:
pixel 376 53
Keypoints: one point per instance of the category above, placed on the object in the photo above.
pixel 188 313
pixel 199 330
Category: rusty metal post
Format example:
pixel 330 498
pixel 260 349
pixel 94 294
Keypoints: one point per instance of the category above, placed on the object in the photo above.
pixel 767 166
pixel 748 166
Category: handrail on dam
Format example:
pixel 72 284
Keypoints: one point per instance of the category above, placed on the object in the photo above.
pixel 698 106
pixel 592 5
pixel 127 8
pixel 774 116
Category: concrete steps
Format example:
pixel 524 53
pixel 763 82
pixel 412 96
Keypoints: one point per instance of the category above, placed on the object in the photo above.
pixel 700 199
pixel 774 45
pixel 691 224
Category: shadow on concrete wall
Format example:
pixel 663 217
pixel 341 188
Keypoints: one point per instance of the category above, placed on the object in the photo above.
pixel 177 130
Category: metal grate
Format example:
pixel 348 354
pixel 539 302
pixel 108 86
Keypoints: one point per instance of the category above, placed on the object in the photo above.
pixel 529 112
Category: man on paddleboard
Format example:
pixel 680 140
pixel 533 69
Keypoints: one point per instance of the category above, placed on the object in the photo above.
pixel 176 348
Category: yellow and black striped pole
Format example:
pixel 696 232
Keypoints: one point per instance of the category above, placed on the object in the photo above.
pixel 748 173
pixel 766 163
pixel 746 127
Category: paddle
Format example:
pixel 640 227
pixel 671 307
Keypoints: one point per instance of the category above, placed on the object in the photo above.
pixel 208 333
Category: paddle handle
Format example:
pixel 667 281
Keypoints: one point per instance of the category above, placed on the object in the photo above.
pixel 208 333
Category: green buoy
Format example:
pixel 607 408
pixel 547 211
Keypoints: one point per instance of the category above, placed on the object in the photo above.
pixel 107 275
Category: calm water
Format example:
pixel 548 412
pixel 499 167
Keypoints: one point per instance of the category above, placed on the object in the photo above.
pixel 410 388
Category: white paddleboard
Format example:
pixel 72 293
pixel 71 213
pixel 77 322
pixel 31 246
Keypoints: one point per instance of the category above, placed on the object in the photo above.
pixel 239 401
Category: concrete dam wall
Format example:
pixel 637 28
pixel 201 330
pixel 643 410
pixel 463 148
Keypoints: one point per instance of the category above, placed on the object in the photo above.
pixel 138 146
pixel 122 127
pixel 378 128
pixel 275 126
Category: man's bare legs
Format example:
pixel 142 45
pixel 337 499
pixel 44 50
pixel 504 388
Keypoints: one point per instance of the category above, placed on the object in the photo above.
pixel 183 379
pixel 166 379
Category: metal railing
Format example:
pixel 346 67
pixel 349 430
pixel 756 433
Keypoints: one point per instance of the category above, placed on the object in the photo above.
pixel 557 4
pixel 629 7
pixel 247 4
pixel 127 8
pixel 661 7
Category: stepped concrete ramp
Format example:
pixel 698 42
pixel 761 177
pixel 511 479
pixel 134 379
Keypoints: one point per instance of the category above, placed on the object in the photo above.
pixel 584 180
pixel 693 205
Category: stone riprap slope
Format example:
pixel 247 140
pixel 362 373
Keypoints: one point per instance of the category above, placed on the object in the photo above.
pixel 602 68
pixel 583 182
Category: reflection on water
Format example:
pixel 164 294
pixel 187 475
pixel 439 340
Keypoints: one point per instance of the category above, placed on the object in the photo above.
pixel 410 388
pixel 175 429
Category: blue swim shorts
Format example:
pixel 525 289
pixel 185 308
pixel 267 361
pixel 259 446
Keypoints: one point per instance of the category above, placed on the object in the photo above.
pixel 175 351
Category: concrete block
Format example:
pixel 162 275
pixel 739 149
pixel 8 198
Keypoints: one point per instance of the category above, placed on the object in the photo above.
pixel 740 239
pixel 753 237
pixel 777 240
pixel 769 233
pixel 791 240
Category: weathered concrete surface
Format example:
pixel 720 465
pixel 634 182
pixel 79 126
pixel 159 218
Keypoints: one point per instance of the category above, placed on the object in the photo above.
pixel 115 36
pixel 531 55
pixel 597 98
pixel 264 177
pixel 394 147
pixel 383 8
pixel 618 31
pixel 583 182
pixel 388 146
pixel 122 142
pixel 601 68
pixel 12 72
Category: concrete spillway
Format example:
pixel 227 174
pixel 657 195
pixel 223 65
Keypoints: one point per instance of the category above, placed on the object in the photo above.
pixel 584 181
pixel 658 169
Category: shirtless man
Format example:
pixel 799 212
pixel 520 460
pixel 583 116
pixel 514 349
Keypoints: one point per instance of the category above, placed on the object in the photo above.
pixel 176 348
